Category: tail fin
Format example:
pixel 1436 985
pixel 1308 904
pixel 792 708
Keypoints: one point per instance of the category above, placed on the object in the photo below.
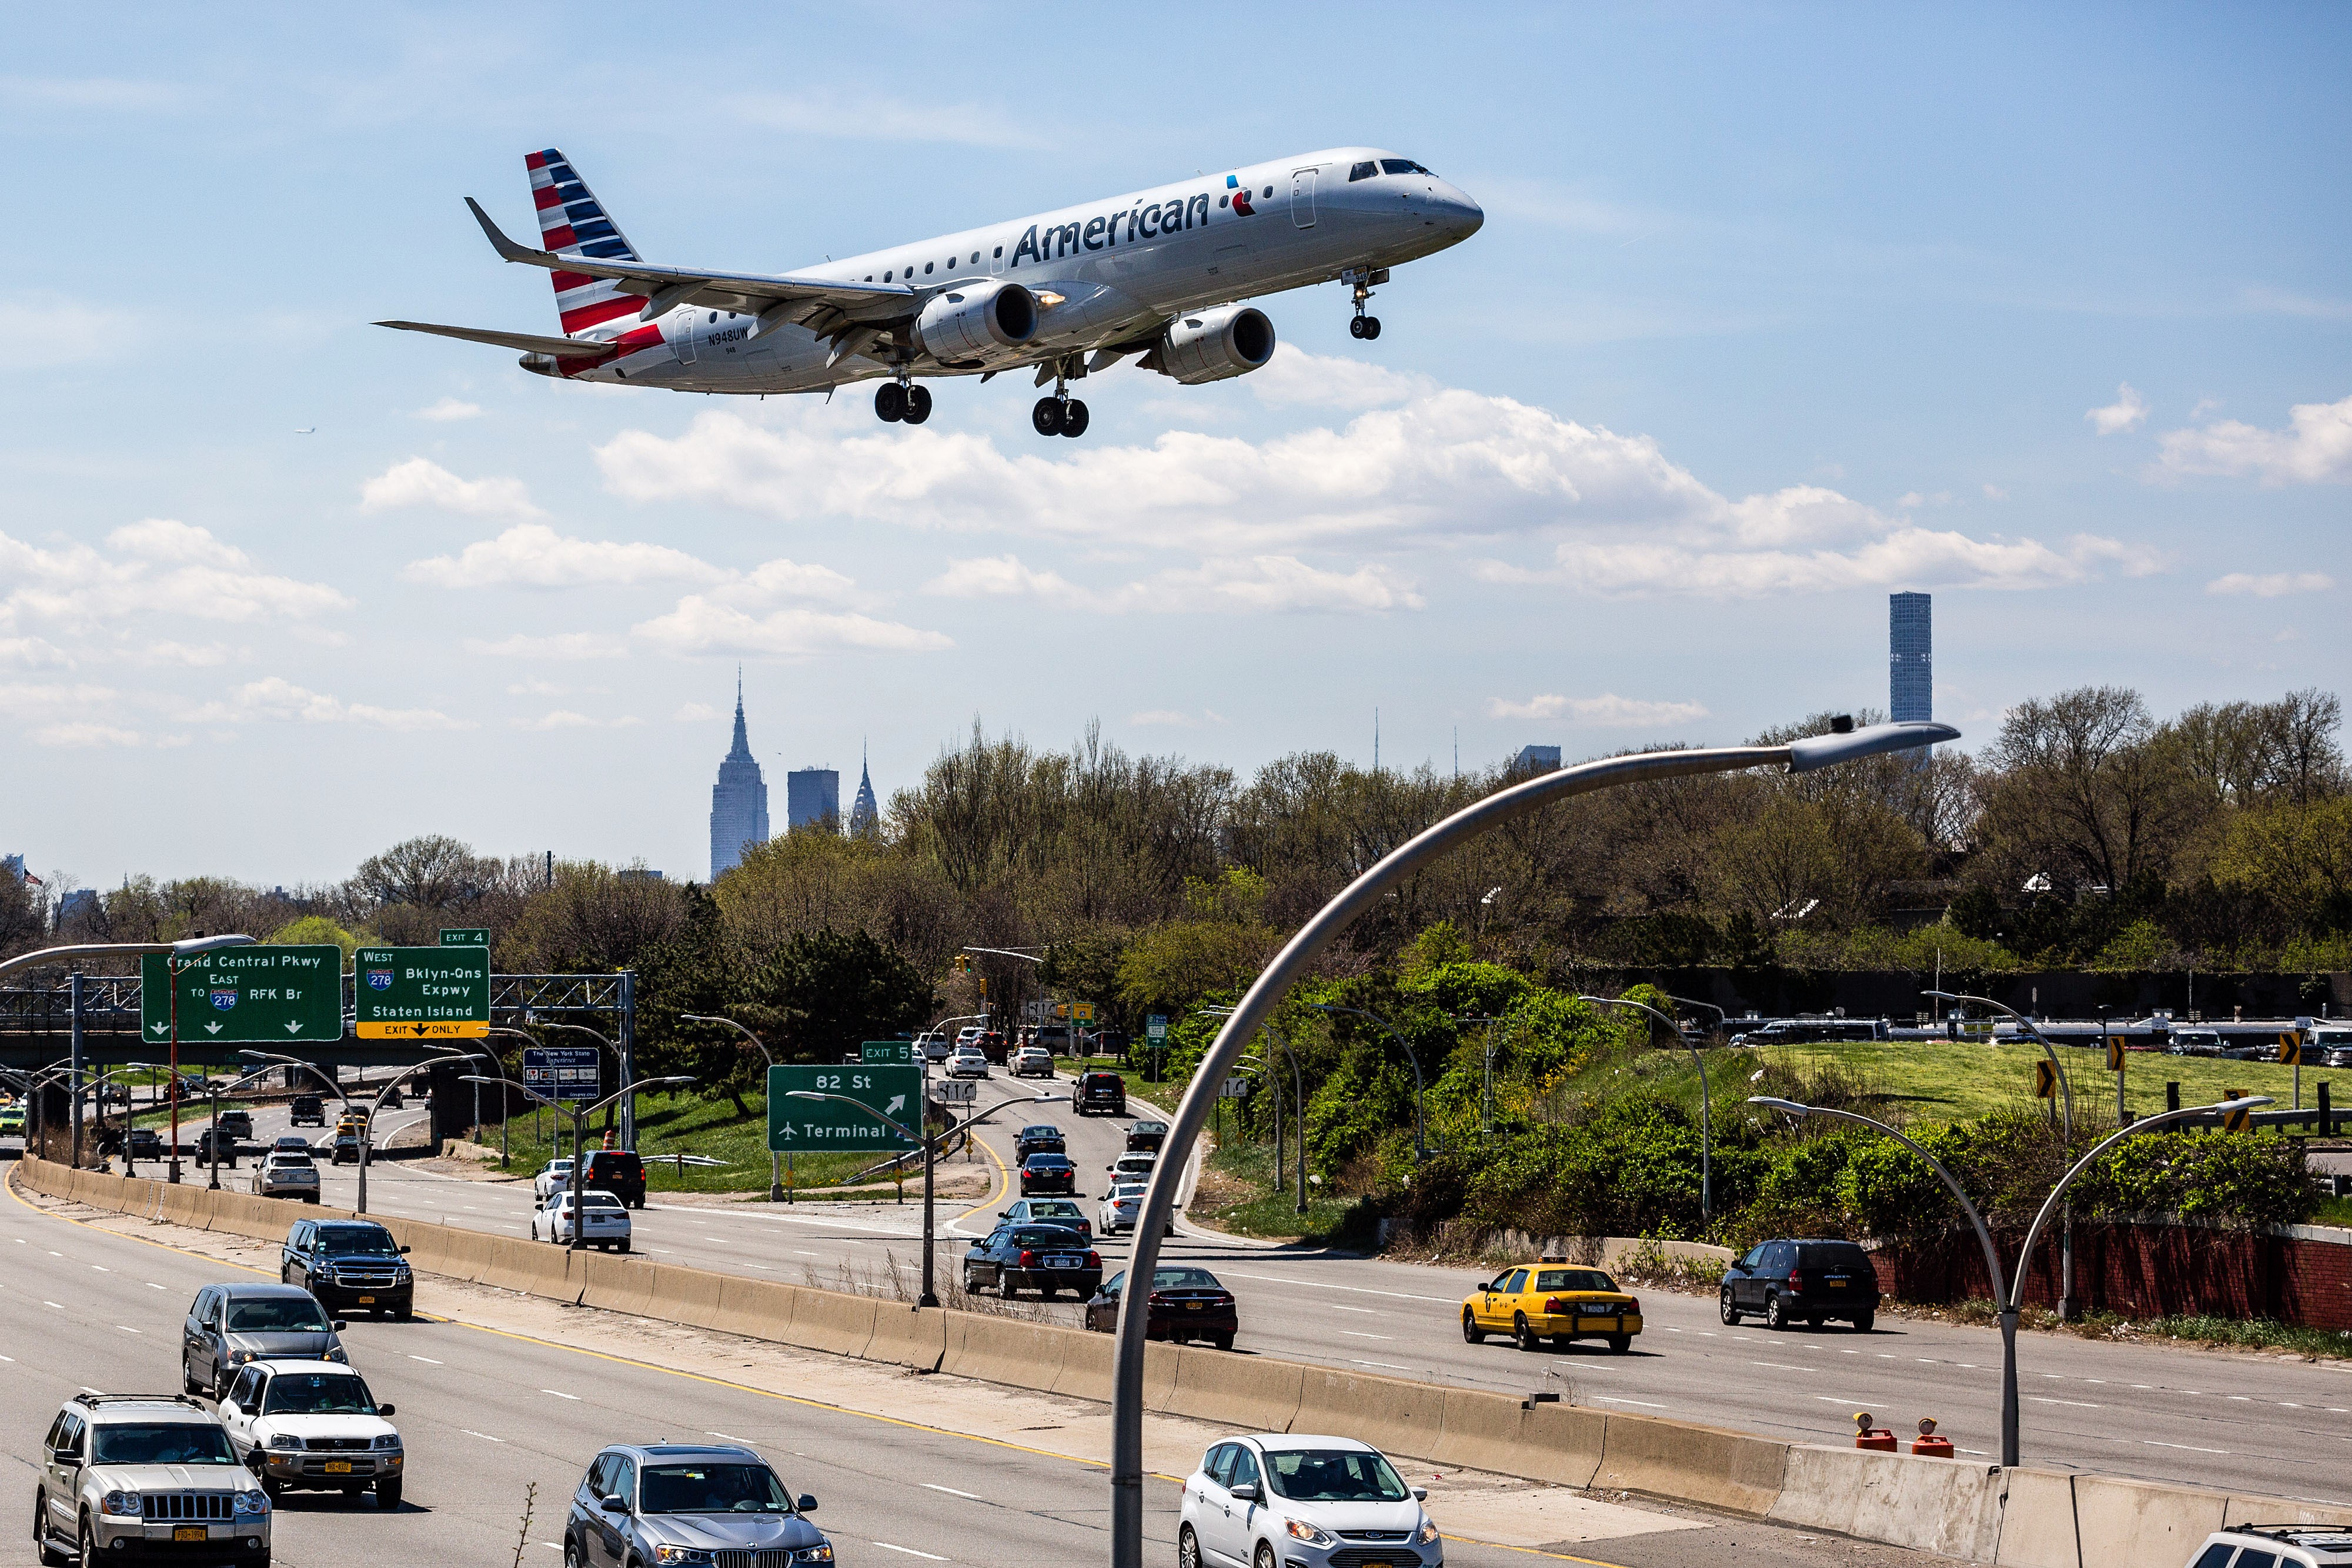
pixel 572 221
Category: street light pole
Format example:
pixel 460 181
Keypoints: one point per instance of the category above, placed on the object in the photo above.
pixel 1274 983
pixel 775 1178
pixel 2066 1092
pixel 1706 1106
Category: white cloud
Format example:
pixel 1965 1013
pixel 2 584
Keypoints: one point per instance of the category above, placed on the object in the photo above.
pixel 2316 449
pixel 2272 584
pixel 564 719
pixel 536 688
pixel 1173 719
pixel 1270 582
pixel 565 646
pixel 150 569
pixel 695 712
pixel 774 582
pixel 532 555
pixel 1001 577
pixel 1911 500
pixel 43 331
pixel 1995 493
pixel 1444 468
pixel 868 118
pixel 449 408
pixel 83 735
pixel 2125 413
pixel 31 654
pixel 278 699
pixel 702 625
pixel 1295 377
pixel 1607 711
pixel 180 655
pixel 421 482
pixel 23 700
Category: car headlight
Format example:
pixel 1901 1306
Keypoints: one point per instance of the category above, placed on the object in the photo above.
pixel 682 1555
pixel 240 1357
pixel 388 1440
pixel 252 1502
pixel 283 1440
pixel 1428 1531
pixel 337 1355
pixel 821 1553
pixel 125 1504
pixel 1314 1535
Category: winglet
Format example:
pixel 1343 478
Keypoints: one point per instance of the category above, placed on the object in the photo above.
pixel 505 247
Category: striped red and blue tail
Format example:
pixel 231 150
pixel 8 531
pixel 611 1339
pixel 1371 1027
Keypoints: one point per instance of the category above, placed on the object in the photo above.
pixel 572 222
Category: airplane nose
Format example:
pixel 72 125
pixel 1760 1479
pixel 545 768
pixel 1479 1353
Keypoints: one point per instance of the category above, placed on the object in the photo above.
pixel 1464 217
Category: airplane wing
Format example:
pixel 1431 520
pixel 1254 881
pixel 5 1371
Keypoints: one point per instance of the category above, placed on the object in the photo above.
pixel 529 342
pixel 819 303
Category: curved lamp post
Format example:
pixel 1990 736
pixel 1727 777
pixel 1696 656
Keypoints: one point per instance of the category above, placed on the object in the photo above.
pixel 1693 1002
pixel 2006 1299
pixel 775 1176
pixel 1419 1088
pixel 1706 1103
pixel 2066 1093
pixel 1481 817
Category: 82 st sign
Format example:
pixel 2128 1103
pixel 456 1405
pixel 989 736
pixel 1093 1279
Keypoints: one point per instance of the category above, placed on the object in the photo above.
pixel 243 996
pixel 854 1118
pixel 421 993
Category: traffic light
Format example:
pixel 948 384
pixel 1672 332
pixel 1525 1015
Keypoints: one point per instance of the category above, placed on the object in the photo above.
pixel 962 963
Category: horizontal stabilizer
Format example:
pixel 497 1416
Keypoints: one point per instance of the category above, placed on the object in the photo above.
pixel 529 342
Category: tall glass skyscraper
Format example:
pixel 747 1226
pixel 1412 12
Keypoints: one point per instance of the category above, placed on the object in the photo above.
pixel 1910 657
pixel 811 799
pixel 866 816
pixel 739 801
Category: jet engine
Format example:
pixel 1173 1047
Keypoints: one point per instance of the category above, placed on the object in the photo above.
pixel 976 323
pixel 1213 345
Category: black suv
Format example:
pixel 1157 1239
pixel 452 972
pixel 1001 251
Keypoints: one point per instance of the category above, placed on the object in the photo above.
pixel 618 1172
pixel 348 1263
pixel 1808 1281
pixel 1042 1139
pixel 1100 1093
pixel 308 1111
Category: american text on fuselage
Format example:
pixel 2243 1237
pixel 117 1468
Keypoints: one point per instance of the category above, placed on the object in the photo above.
pixel 1163 276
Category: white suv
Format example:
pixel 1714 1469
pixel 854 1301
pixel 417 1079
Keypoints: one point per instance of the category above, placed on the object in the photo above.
pixel 314 1424
pixel 2276 1546
pixel 138 1476
pixel 969 1062
pixel 1305 1502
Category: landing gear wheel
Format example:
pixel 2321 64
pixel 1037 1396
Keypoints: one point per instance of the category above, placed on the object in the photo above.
pixel 1047 416
pixel 1776 1316
pixel 1471 1332
pixel 1371 326
pixel 1525 1337
pixel 1356 328
pixel 1724 1310
pixel 1074 419
pixel 890 402
pixel 919 405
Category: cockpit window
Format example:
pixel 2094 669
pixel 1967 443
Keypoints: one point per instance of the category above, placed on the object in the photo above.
pixel 1402 166
pixel 1363 171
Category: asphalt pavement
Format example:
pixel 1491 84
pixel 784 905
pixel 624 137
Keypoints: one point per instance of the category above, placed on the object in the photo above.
pixel 2275 1424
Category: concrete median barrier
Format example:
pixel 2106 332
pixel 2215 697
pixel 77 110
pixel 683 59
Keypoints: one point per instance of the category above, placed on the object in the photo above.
pixel 829 1321
pixel 1729 1470
pixel 2129 1525
pixel 687 1296
pixel 1251 1391
pixel 1085 1372
pixel 1947 1506
pixel 759 1309
pixel 2256 1510
pixel 1485 1431
pixel 1390 1412
pixel 907 1336
pixel 531 1268
pixel 1006 1350
pixel 2037 1519
pixel 613 1283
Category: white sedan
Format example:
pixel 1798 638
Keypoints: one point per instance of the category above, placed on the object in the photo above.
pixel 968 1063
pixel 1304 1500
pixel 553 1180
pixel 1121 1206
pixel 1033 1061
pixel 606 1225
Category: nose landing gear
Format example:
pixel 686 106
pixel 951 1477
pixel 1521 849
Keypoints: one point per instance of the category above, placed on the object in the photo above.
pixel 1059 414
pixel 1361 282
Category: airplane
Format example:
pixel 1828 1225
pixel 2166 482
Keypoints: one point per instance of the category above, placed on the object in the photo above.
pixel 1162 274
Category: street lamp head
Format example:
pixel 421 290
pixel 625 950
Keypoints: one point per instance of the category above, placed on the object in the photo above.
pixel 803 1094
pixel 1823 750
pixel 1774 1102
pixel 208 945
pixel 2246 1103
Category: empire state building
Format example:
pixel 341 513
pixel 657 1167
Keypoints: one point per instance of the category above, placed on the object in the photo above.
pixel 739 801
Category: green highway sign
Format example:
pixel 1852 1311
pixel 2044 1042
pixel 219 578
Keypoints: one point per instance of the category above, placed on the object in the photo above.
pixel 1155 1028
pixel 421 993
pixel 244 996
pixel 849 1123
pixel 900 1050
pixel 467 937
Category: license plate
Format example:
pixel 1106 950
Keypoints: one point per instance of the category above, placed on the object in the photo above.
pixel 1061 1262
pixel 339 1467
pixel 1837 1284
pixel 1194 1306
pixel 367 1300
pixel 188 1532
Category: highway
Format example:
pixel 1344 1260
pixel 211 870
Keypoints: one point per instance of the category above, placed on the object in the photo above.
pixel 2202 1417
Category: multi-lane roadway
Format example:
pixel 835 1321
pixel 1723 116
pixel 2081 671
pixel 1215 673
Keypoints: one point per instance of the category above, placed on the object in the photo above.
pixel 2256 1423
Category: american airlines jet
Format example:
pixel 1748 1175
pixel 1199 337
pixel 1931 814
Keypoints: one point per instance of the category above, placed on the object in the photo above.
pixel 1162 274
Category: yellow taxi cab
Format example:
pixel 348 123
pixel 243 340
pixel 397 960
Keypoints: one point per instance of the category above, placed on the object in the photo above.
pixel 1552 1301
pixel 354 1119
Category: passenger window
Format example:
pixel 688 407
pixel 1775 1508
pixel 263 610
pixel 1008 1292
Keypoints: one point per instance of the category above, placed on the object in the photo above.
pixel 1269 193
pixel 975 258
pixel 1518 1282
pixel 2250 1558
pixel 2215 1556
pixel 625 1478
pixel 1223 199
pixel 1244 1466
pixel 1364 170
pixel 1219 1462
pixel 598 1474
pixel 886 278
pixel 1754 1260
pixel 57 1432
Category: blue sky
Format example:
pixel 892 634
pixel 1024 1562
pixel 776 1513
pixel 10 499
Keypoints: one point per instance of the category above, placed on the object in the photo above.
pixel 1777 309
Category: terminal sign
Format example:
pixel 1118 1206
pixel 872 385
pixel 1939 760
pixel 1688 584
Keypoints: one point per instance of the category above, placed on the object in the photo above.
pixel 421 993
pixel 860 1109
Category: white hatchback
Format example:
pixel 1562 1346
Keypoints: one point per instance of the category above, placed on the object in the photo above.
pixel 606 1225
pixel 1275 1499
pixel 556 1176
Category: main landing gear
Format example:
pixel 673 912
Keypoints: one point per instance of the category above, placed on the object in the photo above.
pixel 1364 326
pixel 902 403
pixel 1060 414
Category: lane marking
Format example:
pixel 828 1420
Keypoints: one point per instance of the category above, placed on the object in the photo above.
pixel 60 1309
pixel 1367 1311
pixel 910 1552
pixel 126 1328
pixel 2076 1404
pixel 1392 1365
pixel 1839 1399
pixel 731 1437
pixel 2154 1443
pixel 153 1286
pixel 934 1486
pixel 485 1437
pixel 558 1393
pixel 426 1359
pixel 1351 1334
pixel 1644 1403
pixel 1352 1290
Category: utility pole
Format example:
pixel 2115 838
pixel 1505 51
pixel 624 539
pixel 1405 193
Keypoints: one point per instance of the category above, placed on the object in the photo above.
pixel 73 990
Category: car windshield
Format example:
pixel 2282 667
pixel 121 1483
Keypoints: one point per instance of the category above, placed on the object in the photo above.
pixel 1052 1236
pixel 1048 1162
pixel 317 1394
pixel 162 1443
pixel 1574 1280
pixel 1149 1127
pixel 712 1489
pixel 277 1315
pixel 599 1200
pixel 1185 1279
pixel 1041 1131
pixel 1832 1255
pixel 359 1240
pixel 1333 1475
pixel 1054 1208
